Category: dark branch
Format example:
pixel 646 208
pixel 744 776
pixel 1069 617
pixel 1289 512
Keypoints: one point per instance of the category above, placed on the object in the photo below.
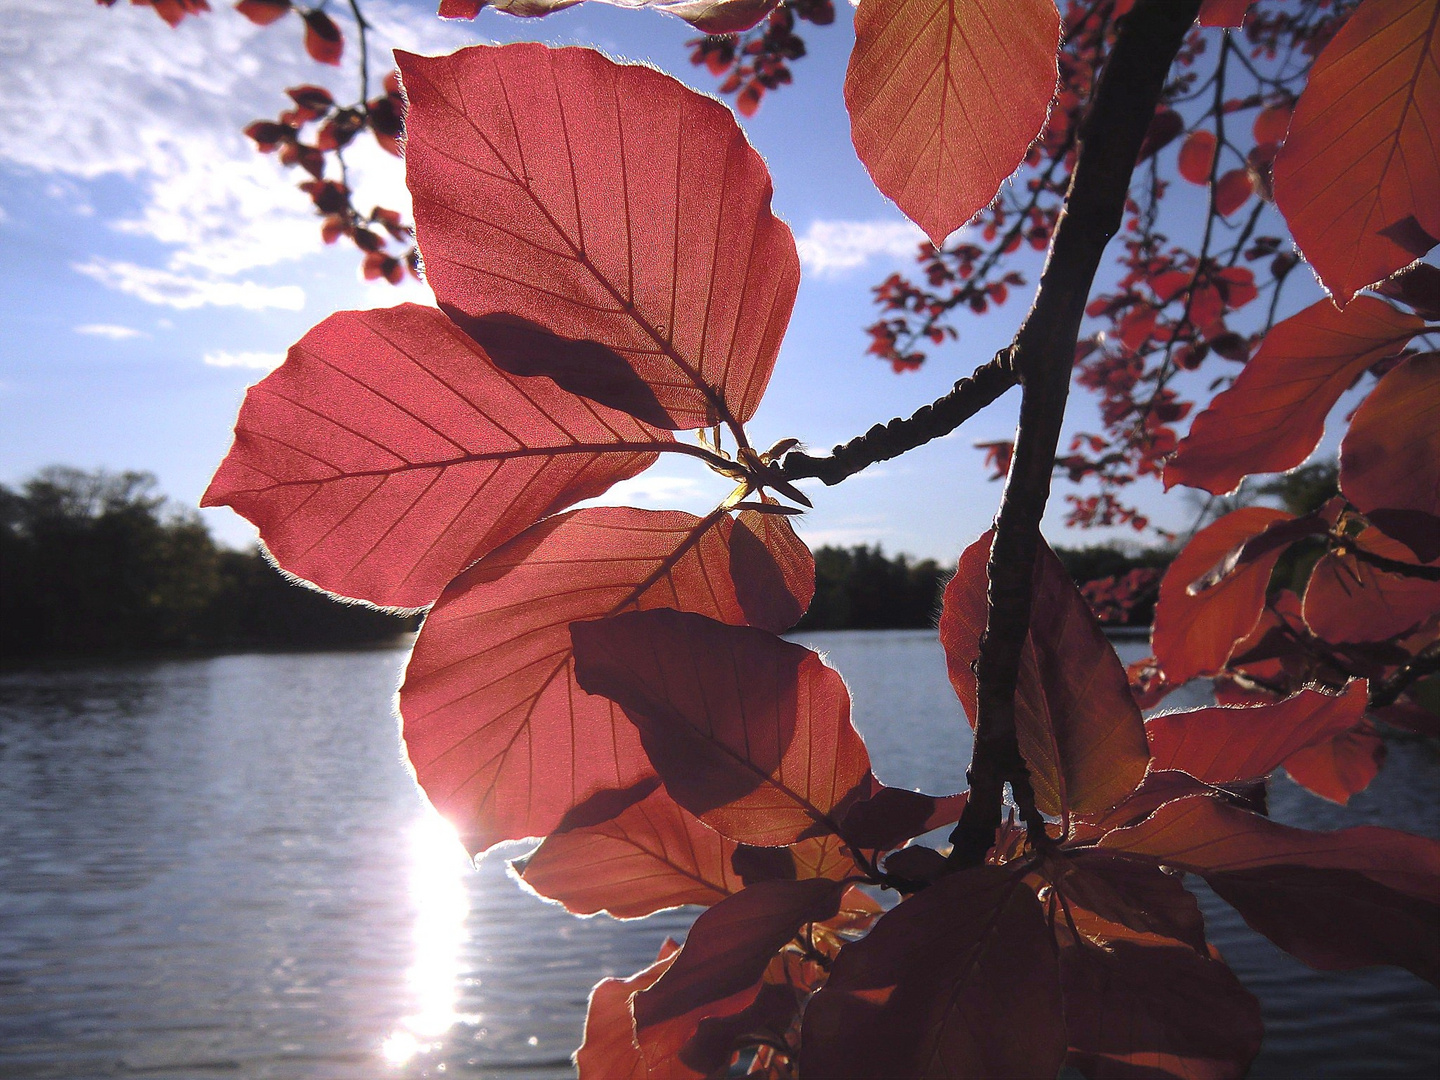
pixel 885 441
pixel 1426 662
pixel 1043 356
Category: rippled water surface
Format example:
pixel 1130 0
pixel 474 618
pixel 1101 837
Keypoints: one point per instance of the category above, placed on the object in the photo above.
pixel 220 868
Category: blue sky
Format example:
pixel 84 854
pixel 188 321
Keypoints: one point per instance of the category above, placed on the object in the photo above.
pixel 157 264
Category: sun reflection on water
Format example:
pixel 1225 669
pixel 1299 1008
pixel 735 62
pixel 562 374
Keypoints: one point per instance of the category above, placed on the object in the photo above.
pixel 438 868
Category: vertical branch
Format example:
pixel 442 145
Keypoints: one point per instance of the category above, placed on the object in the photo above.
pixel 1043 357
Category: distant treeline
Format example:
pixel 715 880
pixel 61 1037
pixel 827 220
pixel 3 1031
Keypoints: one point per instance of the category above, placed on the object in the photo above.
pixel 96 563
pixel 100 563
pixel 861 588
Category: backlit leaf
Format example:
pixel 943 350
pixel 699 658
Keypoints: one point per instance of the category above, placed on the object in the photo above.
pixel 1358 177
pixel 1390 457
pixel 387 454
pixel 731 944
pixel 1223 12
pixel 1197 155
pixel 930 991
pixel 604 203
pixel 773 570
pixel 610 1051
pixel 1274 414
pixel 1340 766
pixel 1132 894
pixel 322 37
pixel 651 856
pixel 1220 745
pixel 892 816
pixel 945 98
pixel 1204 835
pixel 501 737
pixel 1194 634
pixel 1347 599
pixel 1078 727
pixel 750 733
pixel 1232 191
pixel 1136 1009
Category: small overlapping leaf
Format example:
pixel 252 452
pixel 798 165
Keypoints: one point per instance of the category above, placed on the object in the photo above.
pixel 1349 599
pixel 1342 899
pixel 930 991
pixel 749 733
pixel 601 203
pixel 1274 414
pixel 652 855
pixel 609 1050
pixel 502 739
pixel 730 946
pixel 1195 632
pixel 1358 178
pixel 1340 766
pixel 387 454
pixel 1221 745
pixel 1390 457
pixel 945 98
pixel 1077 724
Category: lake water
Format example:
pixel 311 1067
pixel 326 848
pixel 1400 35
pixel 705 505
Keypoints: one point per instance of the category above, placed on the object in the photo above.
pixel 221 868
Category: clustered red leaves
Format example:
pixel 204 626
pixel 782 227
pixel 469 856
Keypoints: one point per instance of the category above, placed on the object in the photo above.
pixel 612 679
pixel 336 127
pixel 1314 85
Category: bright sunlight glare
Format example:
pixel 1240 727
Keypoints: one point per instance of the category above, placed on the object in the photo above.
pixel 438 865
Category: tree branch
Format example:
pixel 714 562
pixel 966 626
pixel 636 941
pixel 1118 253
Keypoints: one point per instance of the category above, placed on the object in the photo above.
pixel 1043 356
pixel 885 441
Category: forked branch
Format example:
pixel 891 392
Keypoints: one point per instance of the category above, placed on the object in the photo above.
pixel 1042 358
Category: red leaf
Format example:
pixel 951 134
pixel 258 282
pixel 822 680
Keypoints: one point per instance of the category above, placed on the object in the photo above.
pixel 263 12
pixel 1340 766
pixel 1358 178
pixel 501 737
pixel 1194 634
pixel 387 454
pixel 1390 457
pixel 1206 836
pixel 1078 726
pixel 1347 599
pixel 606 203
pixel 651 856
pixel 979 76
pixel 460 9
pixel 1232 191
pixel 930 991
pixel 730 946
pixel 1221 745
pixel 1197 156
pixel 1417 287
pixel 1223 12
pixel 892 816
pixel 1335 900
pixel 773 570
pixel 1134 895
pixel 750 733
pixel 1271 123
pixel 1137 1009
pixel 609 1051
pixel 1273 416
pixel 322 37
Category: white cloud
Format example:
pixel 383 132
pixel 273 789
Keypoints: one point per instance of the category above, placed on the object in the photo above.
pixel 832 247
pixel 109 330
pixel 105 92
pixel 260 361
pixel 185 291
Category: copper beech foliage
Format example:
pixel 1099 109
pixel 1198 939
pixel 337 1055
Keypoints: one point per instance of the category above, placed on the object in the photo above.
pixel 609 275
